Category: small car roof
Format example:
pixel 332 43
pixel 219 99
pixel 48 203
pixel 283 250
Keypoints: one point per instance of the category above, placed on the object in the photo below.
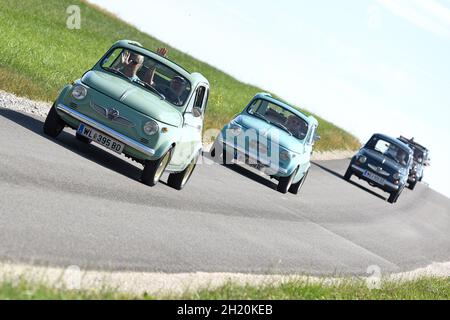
pixel 393 141
pixel 193 77
pixel 268 97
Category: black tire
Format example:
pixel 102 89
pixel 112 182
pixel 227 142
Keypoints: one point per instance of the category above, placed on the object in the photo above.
pixel 348 174
pixel 284 183
pixel 393 197
pixel 412 185
pixel 227 157
pixel 53 124
pixel 82 138
pixel 295 188
pixel 178 180
pixel 153 169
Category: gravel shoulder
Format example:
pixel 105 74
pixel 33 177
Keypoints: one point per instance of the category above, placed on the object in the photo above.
pixel 155 283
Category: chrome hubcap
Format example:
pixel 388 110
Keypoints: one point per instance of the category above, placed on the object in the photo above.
pixel 162 166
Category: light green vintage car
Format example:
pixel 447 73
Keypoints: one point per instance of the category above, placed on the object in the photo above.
pixel 136 102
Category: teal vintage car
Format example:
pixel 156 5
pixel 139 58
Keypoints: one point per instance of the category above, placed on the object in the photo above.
pixel 272 137
pixel 136 102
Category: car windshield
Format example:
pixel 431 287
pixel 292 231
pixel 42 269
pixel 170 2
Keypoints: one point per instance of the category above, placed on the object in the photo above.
pixel 390 150
pixel 280 117
pixel 418 155
pixel 148 73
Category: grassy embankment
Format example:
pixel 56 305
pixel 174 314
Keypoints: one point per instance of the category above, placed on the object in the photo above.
pixel 39 54
pixel 424 288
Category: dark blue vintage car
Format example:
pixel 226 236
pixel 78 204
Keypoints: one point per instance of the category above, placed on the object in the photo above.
pixel 383 162
pixel 420 160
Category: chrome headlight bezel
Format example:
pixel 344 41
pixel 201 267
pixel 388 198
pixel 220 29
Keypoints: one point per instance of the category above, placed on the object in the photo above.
pixel 396 176
pixel 285 155
pixel 151 127
pixel 79 92
pixel 362 159
pixel 235 128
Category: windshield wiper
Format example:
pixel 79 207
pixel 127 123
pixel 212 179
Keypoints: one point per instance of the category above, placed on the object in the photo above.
pixel 146 85
pixel 256 114
pixel 120 73
pixel 279 125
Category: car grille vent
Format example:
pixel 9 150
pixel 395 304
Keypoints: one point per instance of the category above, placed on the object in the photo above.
pixel 73 105
pixel 379 170
pixel 143 140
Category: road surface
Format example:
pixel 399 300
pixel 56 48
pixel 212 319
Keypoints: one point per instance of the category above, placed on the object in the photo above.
pixel 64 203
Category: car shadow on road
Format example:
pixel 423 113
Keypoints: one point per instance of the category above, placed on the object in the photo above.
pixel 336 174
pixel 237 168
pixel 88 151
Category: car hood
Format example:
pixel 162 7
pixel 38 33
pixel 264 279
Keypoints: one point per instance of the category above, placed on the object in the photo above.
pixel 378 159
pixel 271 131
pixel 133 96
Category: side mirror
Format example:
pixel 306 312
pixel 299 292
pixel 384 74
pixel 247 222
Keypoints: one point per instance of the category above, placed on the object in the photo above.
pixel 197 112
pixel 316 137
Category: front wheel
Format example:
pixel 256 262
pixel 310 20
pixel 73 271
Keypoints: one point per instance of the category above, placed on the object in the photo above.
pixel 53 124
pixel 393 197
pixel 348 174
pixel 284 183
pixel 412 185
pixel 295 188
pixel 178 180
pixel 153 169
pixel 82 138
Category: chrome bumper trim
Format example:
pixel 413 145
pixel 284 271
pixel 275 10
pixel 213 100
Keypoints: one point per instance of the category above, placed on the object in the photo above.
pixel 112 133
pixel 386 183
pixel 254 157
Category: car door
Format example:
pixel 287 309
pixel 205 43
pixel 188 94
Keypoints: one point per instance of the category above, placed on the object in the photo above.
pixel 193 122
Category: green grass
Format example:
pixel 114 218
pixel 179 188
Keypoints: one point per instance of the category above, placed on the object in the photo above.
pixel 38 55
pixel 424 288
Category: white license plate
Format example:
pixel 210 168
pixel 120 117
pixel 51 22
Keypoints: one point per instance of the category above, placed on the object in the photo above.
pixel 374 177
pixel 100 138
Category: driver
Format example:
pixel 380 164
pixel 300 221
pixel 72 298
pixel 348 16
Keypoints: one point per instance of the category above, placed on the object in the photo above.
pixel 175 90
pixel 401 157
pixel 296 126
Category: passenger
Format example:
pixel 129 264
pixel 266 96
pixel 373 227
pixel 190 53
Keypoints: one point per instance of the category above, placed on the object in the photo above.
pixel 150 74
pixel 131 63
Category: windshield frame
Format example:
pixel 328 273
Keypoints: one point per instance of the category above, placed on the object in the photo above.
pixel 101 63
pixel 371 144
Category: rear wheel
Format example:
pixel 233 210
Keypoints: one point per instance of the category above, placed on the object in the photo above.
pixel 178 180
pixel 284 183
pixel 153 169
pixel 295 188
pixel 348 174
pixel 53 124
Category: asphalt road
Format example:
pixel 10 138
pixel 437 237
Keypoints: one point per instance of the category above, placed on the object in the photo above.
pixel 63 203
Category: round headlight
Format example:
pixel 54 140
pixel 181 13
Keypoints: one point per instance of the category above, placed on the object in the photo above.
pixel 285 155
pixel 396 176
pixel 235 129
pixel 151 127
pixel 362 159
pixel 79 92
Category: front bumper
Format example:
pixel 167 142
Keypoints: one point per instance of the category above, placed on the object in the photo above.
pixel 388 186
pixel 270 168
pixel 149 152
